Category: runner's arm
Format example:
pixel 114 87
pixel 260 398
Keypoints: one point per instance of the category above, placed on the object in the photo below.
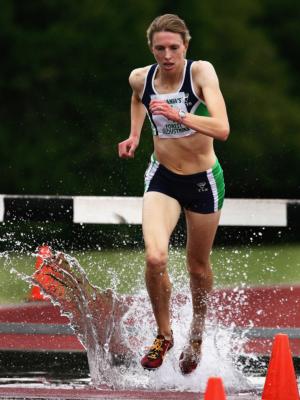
pixel 137 118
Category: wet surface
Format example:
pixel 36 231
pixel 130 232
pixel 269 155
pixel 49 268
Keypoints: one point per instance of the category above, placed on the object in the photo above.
pixel 34 391
pixel 109 334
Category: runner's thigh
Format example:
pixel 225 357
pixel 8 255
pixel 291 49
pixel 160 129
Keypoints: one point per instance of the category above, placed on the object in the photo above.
pixel 160 216
pixel 201 231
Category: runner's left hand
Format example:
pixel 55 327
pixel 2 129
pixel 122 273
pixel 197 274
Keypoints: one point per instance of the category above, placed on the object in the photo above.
pixel 161 107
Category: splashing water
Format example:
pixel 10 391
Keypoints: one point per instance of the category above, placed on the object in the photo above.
pixel 116 329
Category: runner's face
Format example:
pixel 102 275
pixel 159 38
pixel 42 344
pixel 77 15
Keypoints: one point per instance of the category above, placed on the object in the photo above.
pixel 168 49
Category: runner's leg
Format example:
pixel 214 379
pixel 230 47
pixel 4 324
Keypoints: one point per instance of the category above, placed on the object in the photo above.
pixel 201 230
pixel 160 216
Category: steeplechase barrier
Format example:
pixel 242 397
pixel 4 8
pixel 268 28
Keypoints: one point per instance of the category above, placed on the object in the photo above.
pixel 127 210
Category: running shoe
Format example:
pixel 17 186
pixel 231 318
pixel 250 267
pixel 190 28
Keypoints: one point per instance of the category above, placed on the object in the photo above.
pixel 156 354
pixel 190 357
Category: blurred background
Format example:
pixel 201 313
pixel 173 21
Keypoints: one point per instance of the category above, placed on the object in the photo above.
pixel 65 95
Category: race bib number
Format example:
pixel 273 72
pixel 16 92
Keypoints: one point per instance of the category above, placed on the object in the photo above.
pixel 165 127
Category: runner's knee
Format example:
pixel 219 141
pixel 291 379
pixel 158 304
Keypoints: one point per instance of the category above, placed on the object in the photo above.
pixel 199 269
pixel 201 277
pixel 156 261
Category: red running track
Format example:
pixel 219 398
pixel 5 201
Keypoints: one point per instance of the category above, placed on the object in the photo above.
pixel 38 326
pixel 103 394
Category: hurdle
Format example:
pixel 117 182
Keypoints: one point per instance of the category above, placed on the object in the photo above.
pixel 127 210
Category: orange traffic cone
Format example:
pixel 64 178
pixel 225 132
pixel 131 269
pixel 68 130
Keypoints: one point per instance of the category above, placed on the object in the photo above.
pixel 44 251
pixel 214 389
pixel 280 383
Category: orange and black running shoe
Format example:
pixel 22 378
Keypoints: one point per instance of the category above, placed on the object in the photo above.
pixel 156 354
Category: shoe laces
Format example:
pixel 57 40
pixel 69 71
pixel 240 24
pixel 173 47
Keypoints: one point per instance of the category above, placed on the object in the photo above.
pixel 156 348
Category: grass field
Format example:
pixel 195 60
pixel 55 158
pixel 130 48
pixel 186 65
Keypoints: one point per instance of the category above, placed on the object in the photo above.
pixel 123 270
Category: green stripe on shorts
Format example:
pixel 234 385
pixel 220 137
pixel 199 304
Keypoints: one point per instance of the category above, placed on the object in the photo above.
pixel 217 172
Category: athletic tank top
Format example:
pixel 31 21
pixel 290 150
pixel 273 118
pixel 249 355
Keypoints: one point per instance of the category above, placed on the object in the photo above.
pixel 184 99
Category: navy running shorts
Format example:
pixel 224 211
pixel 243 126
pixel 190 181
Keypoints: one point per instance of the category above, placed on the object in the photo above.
pixel 202 192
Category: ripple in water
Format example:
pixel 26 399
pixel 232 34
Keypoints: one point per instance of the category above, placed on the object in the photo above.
pixel 115 330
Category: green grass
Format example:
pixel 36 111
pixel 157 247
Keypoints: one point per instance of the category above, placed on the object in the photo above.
pixel 123 270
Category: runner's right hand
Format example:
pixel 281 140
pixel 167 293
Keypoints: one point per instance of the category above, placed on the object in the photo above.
pixel 127 147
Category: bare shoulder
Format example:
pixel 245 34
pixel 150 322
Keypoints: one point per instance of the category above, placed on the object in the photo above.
pixel 204 73
pixel 137 79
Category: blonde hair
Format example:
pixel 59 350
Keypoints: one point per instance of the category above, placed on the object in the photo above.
pixel 168 23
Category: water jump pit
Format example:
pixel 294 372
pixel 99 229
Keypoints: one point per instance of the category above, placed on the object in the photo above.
pixel 85 343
